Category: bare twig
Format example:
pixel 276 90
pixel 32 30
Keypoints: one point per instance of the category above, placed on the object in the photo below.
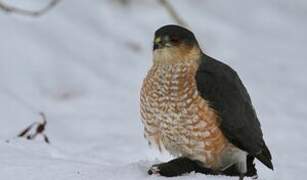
pixel 25 131
pixel 172 12
pixel 40 128
pixel 33 13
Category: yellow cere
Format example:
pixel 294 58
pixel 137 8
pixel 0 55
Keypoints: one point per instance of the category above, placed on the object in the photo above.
pixel 157 40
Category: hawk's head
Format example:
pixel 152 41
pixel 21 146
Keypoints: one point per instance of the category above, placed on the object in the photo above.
pixel 175 44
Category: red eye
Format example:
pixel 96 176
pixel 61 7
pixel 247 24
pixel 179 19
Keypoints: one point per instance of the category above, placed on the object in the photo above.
pixel 174 39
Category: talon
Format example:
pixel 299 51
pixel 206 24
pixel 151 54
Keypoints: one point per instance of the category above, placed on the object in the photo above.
pixel 153 170
pixel 254 177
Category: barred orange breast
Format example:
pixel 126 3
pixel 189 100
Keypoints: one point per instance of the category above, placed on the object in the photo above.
pixel 178 119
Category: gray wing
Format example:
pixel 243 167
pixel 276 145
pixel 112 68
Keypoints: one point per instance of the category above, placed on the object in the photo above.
pixel 221 86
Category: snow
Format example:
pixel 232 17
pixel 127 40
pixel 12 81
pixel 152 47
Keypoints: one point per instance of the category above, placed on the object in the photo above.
pixel 82 64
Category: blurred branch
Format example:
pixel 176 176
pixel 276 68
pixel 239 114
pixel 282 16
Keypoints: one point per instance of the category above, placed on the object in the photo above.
pixel 33 13
pixel 124 2
pixel 172 12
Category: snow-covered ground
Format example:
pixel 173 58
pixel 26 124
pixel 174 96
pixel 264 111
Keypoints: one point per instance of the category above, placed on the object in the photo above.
pixel 83 64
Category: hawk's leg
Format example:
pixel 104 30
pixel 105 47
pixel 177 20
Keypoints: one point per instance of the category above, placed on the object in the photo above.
pixel 178 167
pixel 184 165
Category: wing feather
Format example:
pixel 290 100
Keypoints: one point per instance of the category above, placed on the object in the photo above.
pixel 221 86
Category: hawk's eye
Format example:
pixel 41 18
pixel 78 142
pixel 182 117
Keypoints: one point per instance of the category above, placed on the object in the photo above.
pixel 174 39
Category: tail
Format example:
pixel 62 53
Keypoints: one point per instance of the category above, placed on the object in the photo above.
pixel 265 157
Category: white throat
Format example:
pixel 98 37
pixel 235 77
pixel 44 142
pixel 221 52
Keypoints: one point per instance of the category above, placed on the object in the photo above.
pixel 175 55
